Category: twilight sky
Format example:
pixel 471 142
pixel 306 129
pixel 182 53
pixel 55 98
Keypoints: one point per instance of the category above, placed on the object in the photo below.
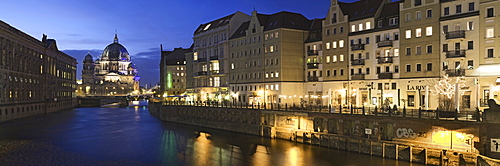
pixel 80 26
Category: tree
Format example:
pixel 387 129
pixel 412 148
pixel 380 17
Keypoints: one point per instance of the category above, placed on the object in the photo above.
pixel 448 88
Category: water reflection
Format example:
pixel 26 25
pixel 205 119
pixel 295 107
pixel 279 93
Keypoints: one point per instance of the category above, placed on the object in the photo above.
pixel 121 135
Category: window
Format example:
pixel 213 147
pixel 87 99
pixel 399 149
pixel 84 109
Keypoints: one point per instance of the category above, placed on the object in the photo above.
pixel 334 44
pixel 334 58
pixel 429 49
pixel 378 69
pixel 334 31
pixel 334 18
pixel 393 21
pixel 445 47
pixel 445 65
pixel 368 25
pixel 445 28
pixel 396 36
pixel 353 28
pixel 367 55
pixel 418 32
pixel 429 67
pixel 367 40
pixel 408 17
pixel 490 12
pixel 429 13
pixel 408 68
pixel 341 72
pixel 418 2
pixel 418 50
pixel 408 34
pixel 327 32
pixel 341 30
pixel 341 58
pixel 489 53
pixel 377 38
pixel 341 43
pixel 276 35
pixel 334 72
pixel 411 100
pixel 490 32
pixel 327 45
pixel 470 64
pixel 418 15
pixel 428 31
pixel 396 52
pixel 367 70
pixel 408 51
pixel 327 73
pixel 458 9
pixel 470 26
pixel 470 45
pixel 396 69
pixel 327 59
pixel 471 6
pixel 379 23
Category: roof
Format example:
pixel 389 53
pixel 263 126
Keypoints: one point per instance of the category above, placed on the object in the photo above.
pixel 316 31
pixel 390 10
pixel 241 31
pixel 177 55
pixel 214 24
pixel 360 9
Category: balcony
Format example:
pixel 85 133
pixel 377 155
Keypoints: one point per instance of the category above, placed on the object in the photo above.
pixel 455 34
pixel 386 43
pixel 214 72
pixel 312 53
pixel 356 62
pixel 214 58
pixel 202 73
pixel 312 79
pixel 357 47
pixel 358 77
pixel 455 72
pixel 384 75
pixel 385 59
pixel 201 60
pixel 312 65
pixel 455 54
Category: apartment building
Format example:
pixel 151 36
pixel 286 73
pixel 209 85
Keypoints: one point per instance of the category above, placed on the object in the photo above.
pixel 173 73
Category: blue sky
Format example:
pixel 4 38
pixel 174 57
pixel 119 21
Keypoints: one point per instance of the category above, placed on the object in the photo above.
pixel 82 26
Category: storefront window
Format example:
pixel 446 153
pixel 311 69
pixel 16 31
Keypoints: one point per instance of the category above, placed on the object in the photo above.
pixel 411 100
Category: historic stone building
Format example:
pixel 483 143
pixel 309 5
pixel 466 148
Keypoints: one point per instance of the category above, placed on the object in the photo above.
pixel 35 77
pixel 112 74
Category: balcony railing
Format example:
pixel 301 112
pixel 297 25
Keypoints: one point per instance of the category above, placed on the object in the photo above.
pixel 355 62
pixel 202 73
pixel 385 43
pixel 201 60
pixel 312 79
pixel 312 53
pixel 385 76
pixel 312 65
pixel 455 34
pixel 358 77
pixel 455 72
pixel 356 47
pixel 214 72
pixel 214 57
pixel 385 59
pixel 455 54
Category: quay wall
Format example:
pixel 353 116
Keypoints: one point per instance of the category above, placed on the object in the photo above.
pixel 406 139
pixel 18 110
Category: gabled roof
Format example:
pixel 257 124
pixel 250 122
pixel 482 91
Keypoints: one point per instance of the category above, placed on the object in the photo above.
pixel 360 9
pixel 214 24
pixel 390 10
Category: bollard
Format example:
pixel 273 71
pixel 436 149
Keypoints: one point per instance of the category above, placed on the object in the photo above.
pixel 363 109
pixel 419 112
pixel 352 110
pixel 456 114
pixel 286 106
pixel 340 109
pixel 404 111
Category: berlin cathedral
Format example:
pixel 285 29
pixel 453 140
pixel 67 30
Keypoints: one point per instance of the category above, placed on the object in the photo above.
pixel 112 74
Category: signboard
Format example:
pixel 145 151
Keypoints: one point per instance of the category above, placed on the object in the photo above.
pixel 368 131
pixel 495 142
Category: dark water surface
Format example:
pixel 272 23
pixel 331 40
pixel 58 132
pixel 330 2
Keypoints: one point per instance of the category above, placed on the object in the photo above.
pixel 131 136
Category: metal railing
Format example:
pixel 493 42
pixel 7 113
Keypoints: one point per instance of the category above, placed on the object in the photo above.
pixel 455 34
pixel 340 109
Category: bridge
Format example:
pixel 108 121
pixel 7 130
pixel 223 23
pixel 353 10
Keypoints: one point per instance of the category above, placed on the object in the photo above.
pixel 109 101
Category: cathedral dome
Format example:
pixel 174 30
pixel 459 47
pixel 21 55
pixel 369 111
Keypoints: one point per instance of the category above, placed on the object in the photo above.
pixel 115 52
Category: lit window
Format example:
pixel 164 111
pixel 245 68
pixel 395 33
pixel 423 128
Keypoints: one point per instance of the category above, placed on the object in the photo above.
pixel 334 44
pixel 271 48
pixel 418 32
pixel 360 27
pixel 341 43
pixel 334 58
pixel 232 66
pixel 490 32
pixel 470 26
pixel 327 45
pixel 353 28
pixel 408 34
pixel 267 75
pixel 277 87
pixel 396 52
pixel 428 31
pixel 368 26
pixel 327 59
pixel 341 58
pixel 277 74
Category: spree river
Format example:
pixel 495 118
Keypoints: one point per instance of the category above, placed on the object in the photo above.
pixel 131 136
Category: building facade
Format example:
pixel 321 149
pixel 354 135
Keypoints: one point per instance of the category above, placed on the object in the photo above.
pixel 173 73
pixel 112 74
pixel 35 76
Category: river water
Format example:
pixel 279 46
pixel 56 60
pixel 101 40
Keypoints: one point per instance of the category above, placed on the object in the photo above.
pixel 131 136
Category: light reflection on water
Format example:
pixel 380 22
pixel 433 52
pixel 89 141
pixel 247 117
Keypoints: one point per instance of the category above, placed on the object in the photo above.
pixel 112 134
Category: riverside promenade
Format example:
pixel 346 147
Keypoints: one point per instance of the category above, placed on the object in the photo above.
pixel 424 137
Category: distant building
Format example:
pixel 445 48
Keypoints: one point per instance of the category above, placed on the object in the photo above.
pixel 35 77
pixel 173 73
pixel 113 74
